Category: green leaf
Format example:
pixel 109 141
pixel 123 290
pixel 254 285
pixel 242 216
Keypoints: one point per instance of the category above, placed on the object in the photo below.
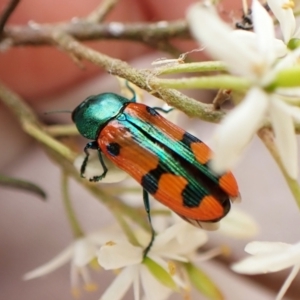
pixel 22 185
pixel 203 283
pixel 160 273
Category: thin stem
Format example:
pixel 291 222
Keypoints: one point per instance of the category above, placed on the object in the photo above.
pixel 17 106
pixel 126 228
pixel 41 136
pixel 206 82
pixel 8 10
pixel 245 7
pixel 288 282
pixel 207 66
pixel 100 13
pixel 62 130
pixel 75 226
pixel 30 123
pixel 267 136
pixel 22 185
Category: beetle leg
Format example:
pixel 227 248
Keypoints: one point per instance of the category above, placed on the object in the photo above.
pixel 90 145
pixel 99 177
pixel 132 91
pixel 163 110
pixel 147 208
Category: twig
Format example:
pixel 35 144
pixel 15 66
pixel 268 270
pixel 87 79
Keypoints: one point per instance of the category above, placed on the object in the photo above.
pixel 21 185
pixel 62 155
pixel 140 78
pixel 222 96
pixel 99 14
pixel 8 10
pixel 30 123
pixel 148 33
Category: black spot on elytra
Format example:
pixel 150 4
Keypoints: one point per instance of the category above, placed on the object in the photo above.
pixel 113 149
pixel 190 196
pixel 151 179
pixel 151 111
pixel 188 139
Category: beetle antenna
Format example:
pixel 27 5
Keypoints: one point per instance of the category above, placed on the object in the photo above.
pixel 132 91
pixel 57 111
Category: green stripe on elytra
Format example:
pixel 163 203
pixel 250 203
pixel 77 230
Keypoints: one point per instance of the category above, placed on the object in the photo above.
pixel 182 148
pixel 167 162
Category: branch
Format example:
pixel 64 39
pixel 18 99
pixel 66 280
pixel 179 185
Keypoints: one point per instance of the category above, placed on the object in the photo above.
pixel 11 6
pixel 142 78
pixel 99 14
pixel 62 155
pixel 148 33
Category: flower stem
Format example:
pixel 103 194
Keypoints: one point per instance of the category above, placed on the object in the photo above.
pixel 288 282
pixel 206 66
pixel 287 78
pixel 126 228
pixel 75 226
pixel 206 82
pixel 62 130
pixel 267 136
pixel 30 123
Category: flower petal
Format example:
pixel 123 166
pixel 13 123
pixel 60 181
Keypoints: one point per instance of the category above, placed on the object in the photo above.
pixel 107 233
pixel 136 285
pixel 285 16
pixel 217 39
pixel 269 262
pixel 264 28
pixel 152 287
pixel 293 111
pixel 114 255
pixel 285 138
pixel 250 38
pixel 121 284
pixel 237 129
pixel 84 252
pixel 238 224
pixel 179 239
pixel 52 265
pixel 256 247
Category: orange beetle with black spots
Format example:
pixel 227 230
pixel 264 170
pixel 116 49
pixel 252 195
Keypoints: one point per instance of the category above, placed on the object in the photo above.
pixel 169 163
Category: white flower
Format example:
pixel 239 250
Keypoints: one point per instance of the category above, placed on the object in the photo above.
pixel 238 224
pixel 82 252
pixel 258 64
pixel 283 11
pixel 271 257
pixel 176 243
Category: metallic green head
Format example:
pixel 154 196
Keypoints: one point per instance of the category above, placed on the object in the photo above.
pixel 95 111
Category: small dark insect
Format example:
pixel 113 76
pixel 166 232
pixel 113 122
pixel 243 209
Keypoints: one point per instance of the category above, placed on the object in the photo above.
pixel 246 22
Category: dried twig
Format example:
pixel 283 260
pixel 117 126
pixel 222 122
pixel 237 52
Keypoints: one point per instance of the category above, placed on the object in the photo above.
pixel 99 14
pixel 142 78
pixel 148 33
pixel 8 10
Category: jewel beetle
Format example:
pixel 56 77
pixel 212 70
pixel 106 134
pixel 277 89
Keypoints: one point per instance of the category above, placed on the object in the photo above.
pixel 169 163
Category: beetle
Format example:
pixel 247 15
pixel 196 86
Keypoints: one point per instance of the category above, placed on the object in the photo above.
pixel 169 163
